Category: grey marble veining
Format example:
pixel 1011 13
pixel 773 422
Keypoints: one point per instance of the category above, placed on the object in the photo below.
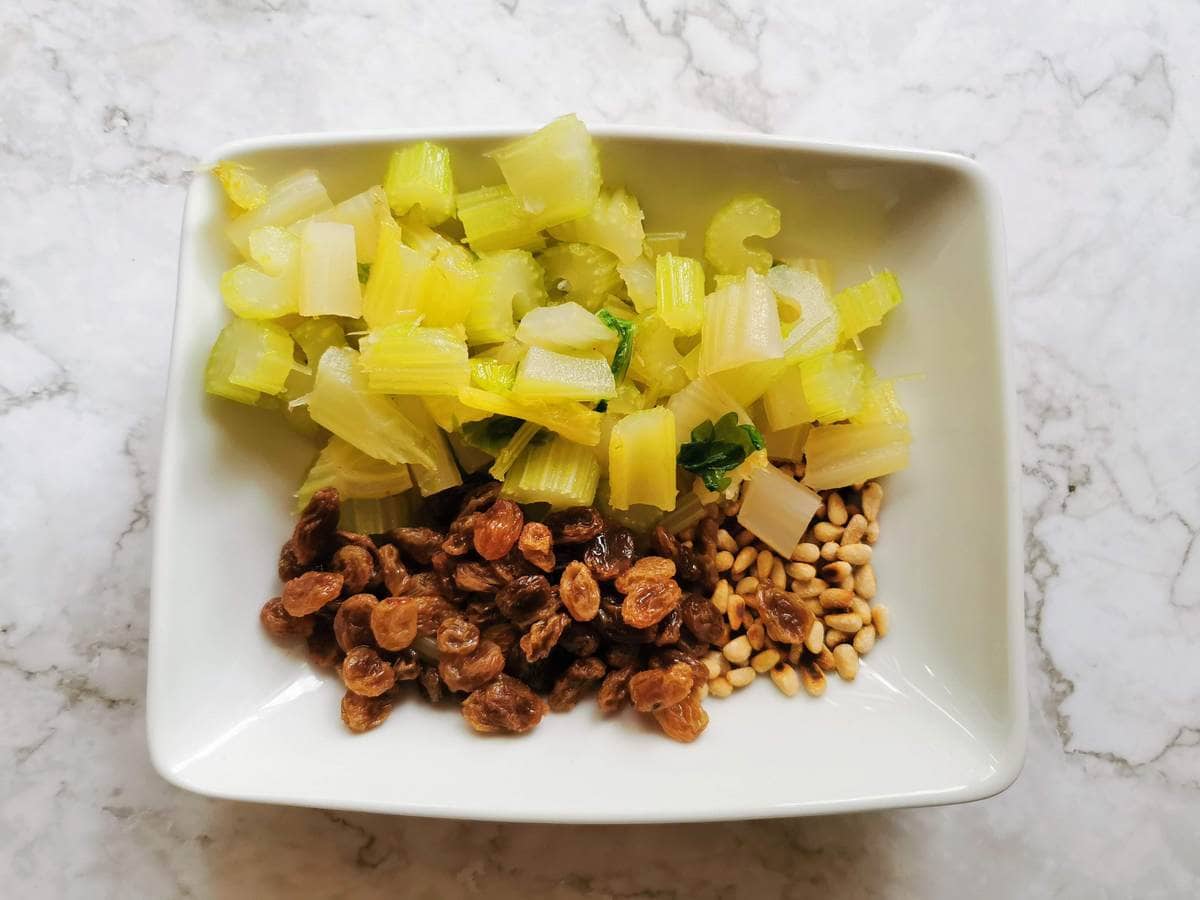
pixel 1088 116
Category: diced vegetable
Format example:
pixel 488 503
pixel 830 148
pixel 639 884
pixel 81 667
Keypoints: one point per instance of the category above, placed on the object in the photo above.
pixel 880 405
pixel 355 475
pixel 513 277
pixel 641 460
pixel 549 375
pixel 513 449
pixel 329 271
pixel 747 383
pixel 717 448
pixel 679 289
pixel 822 268
pixel 787 444
pixel 639 518
pixel 784 400
pixel 580 273
pixel 449 413
pixel 817 328
pixel 453 291
pixel 566 327
pixel 315 336
pixel 400 277
pixel 492 434
pixel 290 200
pixel 777 509
pixel 409 359
pixel 422 238
pixel 557 472
pixel 555 172
pixel 221 361
pixel 363 212
pixel 660 242
pixel 243 189
pixel 492 374
pixel 864 305
pixel 378 515
pixel 571 420
pixel 420 176
pixel 640 283
pixel 838 455
pixel 833 385
pixel 494 219
pixel 470 459
pixel 702 401
pixel 276 250
pixel 614 223
pixel 254 356
pixel 656 363
pixel 725 239
pixel 253 294
pixel 443 473
pixel 341 402
pixel 741 325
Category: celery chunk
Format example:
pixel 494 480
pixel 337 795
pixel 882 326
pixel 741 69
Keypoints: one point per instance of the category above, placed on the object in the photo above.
pixel 371 515
pixel 640 283
pixel 400 277
pixel 702 401
pixel 329 271
pixel 355 475
pixel 838 455
pixel 276 250
pixel 493 219
pixel 549 375
pixel 243 189
pixel 442 473
pixel 316 335
pixel 777 509
pixel 513 449
pixel 365 213
pixel 249 359
pixel 864 305
pixel 513 280
pixel 741 325
pixel 572 420
pixel 554 172
pixel 557 472
pixel 818 326
pixel 566 327
pixel 420 176
pixel 614 223
pixel 291 200
pixel 660 242
pixel 253 294
pixel 725 239
pixel 580 273
pixel 679 289
pixel 410 359
pixel 833 385
pixel 784 401
pixel 641 460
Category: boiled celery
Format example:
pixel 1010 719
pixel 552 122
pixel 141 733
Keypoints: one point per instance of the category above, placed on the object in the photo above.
pixel 702 401
pixel 749 382
pixel 353 473
pixel 470 459
pixel 833 385
pixel 639 518
pixel 566 327
pixel 316 335
pixel 679 289
pixel 329 271
pixel 290 200
pixel 243 189
pixel 572 420
pixel 555 172
pixel 787 444
pixel 512 277
pixel 557 472
pixel 420 176
pixel 408 359
pixel 549 375
pixel 880 405
pixel 249 359
pixel 822 268
pixel 449 413
pixel 641 460
pixel 221 361
pixel 777 509
pixel 656 363
pixel 838 455
pixel 741 325
pixel 421 237
pixel 400 277
pixel 492 374
pixel 725 239
pixel 275 249
pixel 364 212
pixel 378 515
pixel 639 278
pixel 494 219
pixel 689 510
pixel 580 273
pixel 784 401
pixel 818 326
pixel 614 223
pixel 454 289
pixel 864 305
pixel 513 449
pixel 443 472
pixel 659 242
pixel 253 294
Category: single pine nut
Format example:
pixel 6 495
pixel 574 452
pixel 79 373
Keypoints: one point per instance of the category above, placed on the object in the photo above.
pixel 724 560
pixel 855 530
pixel 711 663
pixel 826 532
pixel 745 537
pixel 725 541
pixel 812 678
pixel 829 551
pixel 743 560
pixel 836 508
pixel 825 660
pixel 862 609
pixel 806 553
pixel 847 583
pixel 765 661
pixel 741 677
pixel 747 585
pixel 855 554
pixel 864 582
pixel 800 571
pixel 847 622
pixel 737 651
pixel 872 534
pixel 736 611
pixel 846 661
pixel 757 636
pixel 836 599
pixel 702 691
pixel 814 606
pixel 720 597
pixel 833 637
pixel 836 571
pixel 815 639
pixel 795 654
pixel 763 563
pixel 881 619
pixel 786 680
pixel 813 588
pixel 864 641
pixel 720 687
pixel 779 575
pixel 872 498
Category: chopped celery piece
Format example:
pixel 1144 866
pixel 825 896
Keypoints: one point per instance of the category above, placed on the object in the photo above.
pixel 777 509
pixel 784 401
pixel 880 405
pixel 659 242
pixel 572 420
pixel 263 357
pixel 509 353
pixel 725 239
pixel 818 327
pixel 614 223
pixel 639 518
pixel 864 305
pixel 822 268
pixel 253 294
pixel 555 172
pixel 639 278
pixel 833 385
pixel 341 402
pixel 490 318
pixel 493 375
pixel 741 325
pixel 275 249
pixel 702 401
pixel 513 449
pixel 329 271
pixel 470 459
pixel 515 278
pixel 422 238
pixel 580 273
pixel 629 399
pixel 749 382
pixel 450 296
pixel 656 363
pixel 493 219
pixel 364 213
pixel 399 278
pixel 491 435
pixel 409 359
pixel 222 359
pixel 557 472
pixel 641 460
pixel 679 289
pixel 838 455
pixel 689 510
pixel 565 326
pixel 316 335
pixel 549 375
pixel 297 387
pixel 420 176
pixel 377 515
pixel 290 200
pixel 443 473
pixel 353 473
pixel 787 444
pixel 243 189
pixel 449 413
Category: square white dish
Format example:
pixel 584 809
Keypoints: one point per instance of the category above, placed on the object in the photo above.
pixel 938 712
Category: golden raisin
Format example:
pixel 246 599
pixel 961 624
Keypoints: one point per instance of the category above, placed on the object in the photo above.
pixel 394 622
pixel 352 624
pixel 419 544
pixel 391 569
pixel 787 619
pixel 543 636
pixel 356 566
pixel 431 610
pixel 579 593
pixel 313 537
pixel 685 720
pixel 364 713
pixel 614 690
pixel 307 593
pixel 498 529
pixel 571 685
pixel 407 665
pixel 456 635
pixel 536 545
pixel 365 673
pixel 659 688
pixel 505 704
pixel 469 671
pixel 649 602
pixel 648 568
pixel 278 623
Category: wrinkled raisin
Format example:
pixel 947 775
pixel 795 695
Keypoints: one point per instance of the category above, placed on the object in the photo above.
pixel 431 610
pixel 444 564
pixel 579 640
pixel 407 665
pixel 482 612
pixel 665 543
pixel 418 544
pixel 364 713
pixel 458 542
pixel 457 635
pixel 364 672
pixel 704 620
pixel 538 675
pixel 426 584
pixel 576 525
pixel 504 705
pixel 323 649
pixel 498 529
pixel 391 569
pixel 354 539
pixel 612 626
pixel 355 565
pixel 352 624
pixel 571 685
pixel 543 636
pixel 685 720
pixel 278 623
pixel 614 690
pixel 579 593
pixel 473 670
pixel 649 602
pixel 394 622
pixel 648 568
pixel 476 578
pixel 479 498
pixel 669 656
pixel 536 545
pixel 305 594
pixel 669 629
pixel 313 537
pixel 511 567
pixel 503 634
pixel 430 683
pixel 618 656
pixel 658 688
pixel 787 619
pixel 289 566
pixel 610 553
pixel 526 599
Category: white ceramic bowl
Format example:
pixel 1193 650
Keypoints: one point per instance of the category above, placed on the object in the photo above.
pixel 937 714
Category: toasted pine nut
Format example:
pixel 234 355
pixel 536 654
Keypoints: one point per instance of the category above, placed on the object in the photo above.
pixel 864 641
pixel 847 583
pixel 835 508
pixel 881 619
pixel 720 687
pixel 742 561
pixel 786 680
pixel 741 677
pixel 814 606
pixel 724 560
pixel 702 691
pixel 725 541
pixel 825 660
pixel 747 585
pixel 862 609
pixel 720 597
pixel 736 611
pixel 806 553
pixel 864 582
pixel 795 654
pixel 757 636
pixel 800 571
pixel 779 575
pixel 833 637
pixel 829 551
pixel 826 532
pixel 846 661
pixel 836 571
pixel 872 534
pixel 745 537
pixel 813 588
pixel 836 599
pixel 711 663
pixel 812 678
pixel 737 651
pixel 815 638
pixel 855 529
pixel 872 498
pixel 847 622
pixel 765 661
pixel 763 563
pixel 855 554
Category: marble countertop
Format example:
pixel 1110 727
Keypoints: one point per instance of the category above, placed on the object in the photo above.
pixel 1088 118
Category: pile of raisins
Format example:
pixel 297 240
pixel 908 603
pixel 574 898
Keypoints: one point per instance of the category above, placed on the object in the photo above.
pixel 513 618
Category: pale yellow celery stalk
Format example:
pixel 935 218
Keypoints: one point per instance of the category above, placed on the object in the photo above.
pixel 787 444
pixel 656 362
pixel 442 473
pixel 660 242
pixel 639 278
pixel 725 239
pixel 784 401
pixel 494 219
pixel 316 335
pixel 399 278
pixel 565 327
pixel 679 290
pixel 838 455
pixel 741 325
pixel 833 385
pixel 750 382
pixel 580 273
pixel 292 199
pixel 641 460
pixel 614 223
pixel 408 359
pixel 513 449
pixel 548 375
pixel 555 172
pixel 557 472
pixel 449 413
pixel 864 305
pixel 244 190
pixel 880 405
pixel 276 250
pixel 512 279
pixel 822 268
pixel 572 420
pixel 420 176
pixel 470 459
pixel 777 509
pixel 452 291
pixel 378 515
pixel 355 475
pixel 364 213
pixel 702 401
pixel 253 294
pixel 818 327
pixel 329 271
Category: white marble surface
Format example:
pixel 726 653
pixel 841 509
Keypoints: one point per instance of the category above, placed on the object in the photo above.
pixel 1088 116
